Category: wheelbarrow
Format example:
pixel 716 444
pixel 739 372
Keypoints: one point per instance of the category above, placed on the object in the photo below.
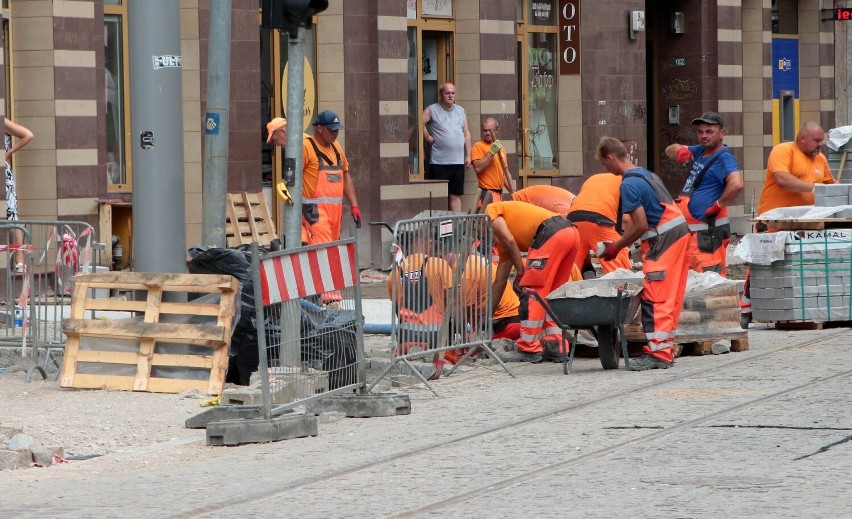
pixel 604 316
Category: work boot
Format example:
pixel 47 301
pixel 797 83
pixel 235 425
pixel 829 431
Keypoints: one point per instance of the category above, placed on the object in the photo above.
pixel 520 356
pixel 648 362
pixel 550 351
pixel 745 320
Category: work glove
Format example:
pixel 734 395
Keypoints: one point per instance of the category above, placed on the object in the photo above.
pixel 496 146
pixel 712 211
pixel 607 251
pixel 683 155
pixel 283 192
pixel 356 215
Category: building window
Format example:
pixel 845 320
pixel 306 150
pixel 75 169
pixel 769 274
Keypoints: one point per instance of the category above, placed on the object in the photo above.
pixel 430 64
pixel 116 96
pixel 537 76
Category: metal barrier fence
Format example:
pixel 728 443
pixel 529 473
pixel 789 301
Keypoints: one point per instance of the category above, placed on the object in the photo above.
pixel 441 292
pixel 40 259
pixel 309 324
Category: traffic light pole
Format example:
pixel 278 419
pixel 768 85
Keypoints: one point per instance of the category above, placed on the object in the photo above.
pixel 216 125
pixel 292 174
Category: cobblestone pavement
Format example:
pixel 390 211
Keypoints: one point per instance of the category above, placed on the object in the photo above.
pixel 762 433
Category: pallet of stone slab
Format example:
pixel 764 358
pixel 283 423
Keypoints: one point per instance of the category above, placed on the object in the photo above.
pixel 698 342
pixel 169 347
pixel 248 220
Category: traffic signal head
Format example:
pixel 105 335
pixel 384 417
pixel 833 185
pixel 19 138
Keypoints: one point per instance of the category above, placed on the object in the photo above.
pixel 290 14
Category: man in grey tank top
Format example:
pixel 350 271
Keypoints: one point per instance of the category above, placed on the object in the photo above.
pixel 445 128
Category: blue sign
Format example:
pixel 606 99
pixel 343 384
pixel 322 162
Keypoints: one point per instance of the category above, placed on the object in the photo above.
pixel 785 69
pixel 211 126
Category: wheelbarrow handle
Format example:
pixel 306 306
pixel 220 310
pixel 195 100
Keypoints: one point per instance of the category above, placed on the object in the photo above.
pixel 544 304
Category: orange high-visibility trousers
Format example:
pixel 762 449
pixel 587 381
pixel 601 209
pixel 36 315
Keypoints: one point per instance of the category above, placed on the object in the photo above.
pixel 591 234
pixel 662 297
pixel 548 267
pixel 706 252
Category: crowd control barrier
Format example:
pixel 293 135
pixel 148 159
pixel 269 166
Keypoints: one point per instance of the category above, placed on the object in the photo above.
pixel 309 324
pixel 440 288
pixel 38 268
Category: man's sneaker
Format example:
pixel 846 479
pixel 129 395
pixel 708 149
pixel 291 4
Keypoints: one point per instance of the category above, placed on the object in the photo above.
pixel 520 356
pixel 745 320
pixel 648 362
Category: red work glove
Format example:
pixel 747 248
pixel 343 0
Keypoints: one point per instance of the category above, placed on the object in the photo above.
pixel 356 215
pixel 609 251
pixel 683 155
pixel 713 210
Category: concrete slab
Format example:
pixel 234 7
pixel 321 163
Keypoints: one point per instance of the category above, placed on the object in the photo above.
pixel 220 413
pixel 238 432
pixel 362 406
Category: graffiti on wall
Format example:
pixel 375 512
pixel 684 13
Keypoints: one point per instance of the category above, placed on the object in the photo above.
pixel 680 89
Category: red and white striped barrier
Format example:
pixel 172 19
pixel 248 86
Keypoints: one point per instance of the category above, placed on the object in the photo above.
pixel 311 272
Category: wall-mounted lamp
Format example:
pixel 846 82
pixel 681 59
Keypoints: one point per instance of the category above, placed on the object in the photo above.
pixel 635 24
pixel 678 21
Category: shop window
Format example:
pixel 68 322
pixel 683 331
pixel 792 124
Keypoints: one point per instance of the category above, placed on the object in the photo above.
pixel 116 95
pixel 537 84
pixel 542 101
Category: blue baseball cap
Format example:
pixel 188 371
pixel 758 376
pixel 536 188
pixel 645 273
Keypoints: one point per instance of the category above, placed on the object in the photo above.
pixel 328 119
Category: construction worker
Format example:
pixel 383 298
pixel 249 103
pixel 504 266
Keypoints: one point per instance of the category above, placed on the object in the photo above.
pixel 657 221
pixel 418 287
pixel 550 242
pixel 489 162
pixel 713 183
pixel 594 213
pixel 793 171
pixel 505 318
pixel 552 198
pixel 326 181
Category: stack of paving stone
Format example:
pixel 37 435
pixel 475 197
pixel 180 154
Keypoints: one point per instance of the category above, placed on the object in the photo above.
pixel 811 283
pixel 834 195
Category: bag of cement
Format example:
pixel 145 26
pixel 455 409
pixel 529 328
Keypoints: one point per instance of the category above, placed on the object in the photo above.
pixel 711 305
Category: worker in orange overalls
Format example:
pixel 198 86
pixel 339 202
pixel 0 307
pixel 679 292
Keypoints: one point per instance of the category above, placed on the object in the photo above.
pixel 326 181
pixel 594 212
pixel 550 242
pixel 505 318
pixel 793 171
pixel 658 222
pixel 489 162
pixel 552 198
pixel 418 287
pixel 713 183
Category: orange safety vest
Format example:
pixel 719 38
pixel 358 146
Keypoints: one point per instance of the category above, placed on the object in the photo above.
pixel 672 225
pixel 420 316
pixel 323 210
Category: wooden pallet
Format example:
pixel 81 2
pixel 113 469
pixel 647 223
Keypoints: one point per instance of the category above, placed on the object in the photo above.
pixel 811 325
pixel 248 220
pixel 694 343
pixel 150 354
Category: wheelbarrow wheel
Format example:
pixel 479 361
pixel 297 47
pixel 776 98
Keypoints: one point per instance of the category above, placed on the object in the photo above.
pixel 609 349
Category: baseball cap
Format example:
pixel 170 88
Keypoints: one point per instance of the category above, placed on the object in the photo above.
pixel 274 124
pixel 329 119
pixel 710 118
